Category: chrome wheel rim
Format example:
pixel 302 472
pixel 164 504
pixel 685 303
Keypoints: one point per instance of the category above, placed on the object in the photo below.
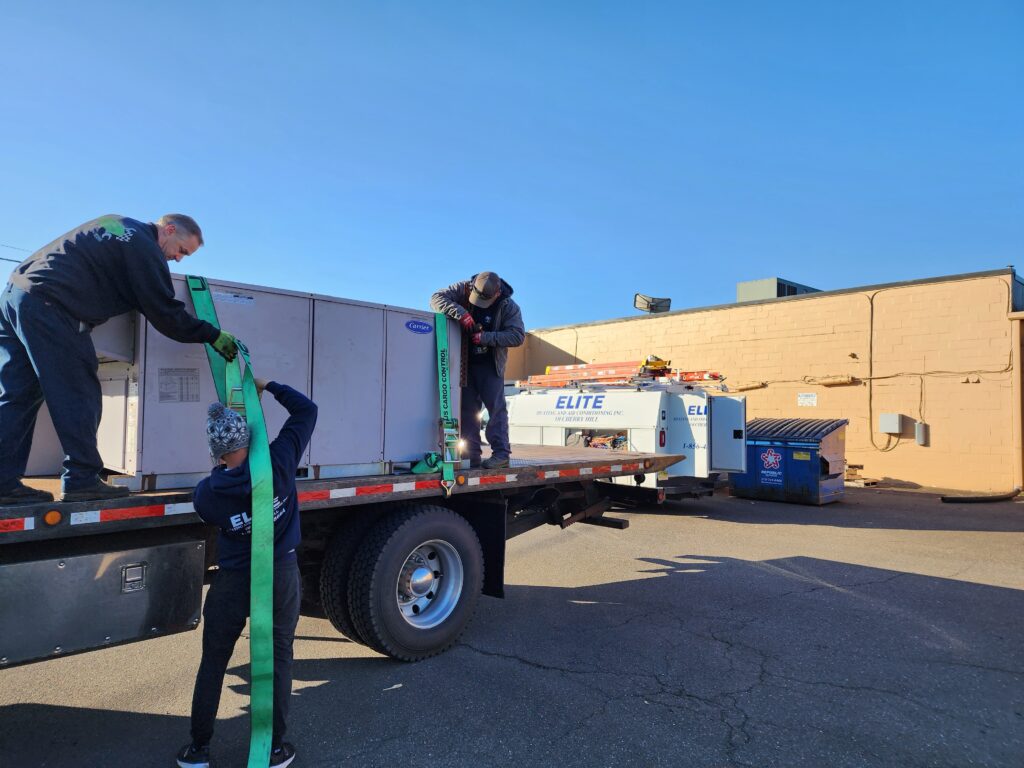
pixel 429 584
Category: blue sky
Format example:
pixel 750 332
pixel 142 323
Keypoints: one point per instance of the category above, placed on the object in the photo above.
pixel 584 150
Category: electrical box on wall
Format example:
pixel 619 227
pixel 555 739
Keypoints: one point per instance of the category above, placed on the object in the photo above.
pixel 890 423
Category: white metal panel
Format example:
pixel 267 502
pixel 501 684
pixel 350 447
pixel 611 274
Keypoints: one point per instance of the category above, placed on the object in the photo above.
pixel 554 436
pixel 114 340
pixel 178 386
pixel 689 433
pixel 728 416
pixel 411 402
pixel 679 439
pixel 111 435
pixel 612 409
pixel 525 435
pixel 348 383
pixel 46 456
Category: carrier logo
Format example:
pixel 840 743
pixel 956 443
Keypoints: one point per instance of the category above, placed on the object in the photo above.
pixel 418 326
pixel 771 459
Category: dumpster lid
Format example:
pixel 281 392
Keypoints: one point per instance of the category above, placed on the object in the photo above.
pixel 793 429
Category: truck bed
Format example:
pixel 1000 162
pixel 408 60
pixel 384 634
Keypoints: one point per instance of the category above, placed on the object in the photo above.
pixel 531 465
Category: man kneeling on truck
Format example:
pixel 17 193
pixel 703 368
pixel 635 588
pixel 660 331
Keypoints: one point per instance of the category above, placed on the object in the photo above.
pixel 224 499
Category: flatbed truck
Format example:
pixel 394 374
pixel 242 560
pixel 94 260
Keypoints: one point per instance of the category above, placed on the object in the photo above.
pixel 393 561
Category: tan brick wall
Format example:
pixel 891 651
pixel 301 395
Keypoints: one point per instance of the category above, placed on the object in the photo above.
pixel 926 340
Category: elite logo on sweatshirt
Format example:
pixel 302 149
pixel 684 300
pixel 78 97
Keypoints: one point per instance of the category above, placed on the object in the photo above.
pixel 242 523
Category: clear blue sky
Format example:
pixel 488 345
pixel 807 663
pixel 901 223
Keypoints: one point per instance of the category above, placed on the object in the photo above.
pixel 584 150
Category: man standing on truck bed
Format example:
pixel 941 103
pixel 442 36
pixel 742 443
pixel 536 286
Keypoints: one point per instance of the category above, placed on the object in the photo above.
pixel 224 499
pixel 484 308
pixel 54 298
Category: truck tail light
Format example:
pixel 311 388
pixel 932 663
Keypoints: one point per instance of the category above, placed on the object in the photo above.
pixel 661 438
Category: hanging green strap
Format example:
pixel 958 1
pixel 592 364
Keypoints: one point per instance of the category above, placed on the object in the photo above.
pixel 450 455
pixel 236 388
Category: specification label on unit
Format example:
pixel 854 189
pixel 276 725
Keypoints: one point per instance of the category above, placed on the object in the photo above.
pixel 179 385
pixel 807 399
pixel 225 297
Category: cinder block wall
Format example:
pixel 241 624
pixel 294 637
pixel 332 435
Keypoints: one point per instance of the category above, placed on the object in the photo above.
pixel 937 352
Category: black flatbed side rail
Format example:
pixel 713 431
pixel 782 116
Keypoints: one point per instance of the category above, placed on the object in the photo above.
pixel 532 466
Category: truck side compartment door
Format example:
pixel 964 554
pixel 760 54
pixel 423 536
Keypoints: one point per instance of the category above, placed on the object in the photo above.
pixel 728 431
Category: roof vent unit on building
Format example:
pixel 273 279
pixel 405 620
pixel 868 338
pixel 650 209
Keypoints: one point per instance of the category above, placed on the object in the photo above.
pixel 770 288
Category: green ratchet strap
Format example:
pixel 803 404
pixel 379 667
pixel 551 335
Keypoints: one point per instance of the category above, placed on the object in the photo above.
pixel 451 455
pixel 237 390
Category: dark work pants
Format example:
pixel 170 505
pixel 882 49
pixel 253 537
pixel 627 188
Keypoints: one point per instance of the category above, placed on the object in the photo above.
pixel 45 355
pixel 224 615
pixel 484 389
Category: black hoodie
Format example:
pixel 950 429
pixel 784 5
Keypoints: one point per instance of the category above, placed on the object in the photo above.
pixel 108 266
pixel 224 498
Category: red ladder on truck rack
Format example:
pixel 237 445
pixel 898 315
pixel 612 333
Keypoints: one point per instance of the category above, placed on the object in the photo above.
pixel 653 368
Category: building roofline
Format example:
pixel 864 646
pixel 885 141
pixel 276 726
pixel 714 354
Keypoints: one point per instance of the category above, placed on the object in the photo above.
pixel 798 297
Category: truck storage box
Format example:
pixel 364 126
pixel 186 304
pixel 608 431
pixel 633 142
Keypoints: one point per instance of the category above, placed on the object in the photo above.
pixel 797 460
pixel 75 602
pixel 356 360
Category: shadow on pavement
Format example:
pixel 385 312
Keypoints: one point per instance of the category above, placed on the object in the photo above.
pixel 697 661
pixel 861 508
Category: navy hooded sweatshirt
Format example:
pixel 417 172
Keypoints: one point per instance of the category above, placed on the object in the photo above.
pixel 106 267
pixel 224 498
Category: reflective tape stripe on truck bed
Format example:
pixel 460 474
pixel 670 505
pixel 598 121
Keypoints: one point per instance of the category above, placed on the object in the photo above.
pixel 15 524
pixel 607 469
pixel 130 513
pixel 403 485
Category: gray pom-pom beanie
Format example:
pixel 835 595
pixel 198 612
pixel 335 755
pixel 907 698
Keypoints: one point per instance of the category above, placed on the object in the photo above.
pixel 226 430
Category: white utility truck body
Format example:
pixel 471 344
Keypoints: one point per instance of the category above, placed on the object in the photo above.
pixel 706 427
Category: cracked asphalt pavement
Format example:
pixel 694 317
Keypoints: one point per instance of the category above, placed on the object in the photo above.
pixel 883 631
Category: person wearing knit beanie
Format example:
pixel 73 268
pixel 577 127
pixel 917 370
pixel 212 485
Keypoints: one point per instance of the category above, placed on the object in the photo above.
pixel 224 499
pixel 226 430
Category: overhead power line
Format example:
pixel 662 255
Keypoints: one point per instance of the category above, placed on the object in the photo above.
pixel 13 248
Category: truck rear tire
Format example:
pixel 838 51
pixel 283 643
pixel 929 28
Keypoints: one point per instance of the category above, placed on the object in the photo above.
pixel 336 571
pixel 415 582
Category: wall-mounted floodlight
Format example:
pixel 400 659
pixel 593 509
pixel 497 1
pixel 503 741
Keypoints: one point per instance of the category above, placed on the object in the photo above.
pixel 651 304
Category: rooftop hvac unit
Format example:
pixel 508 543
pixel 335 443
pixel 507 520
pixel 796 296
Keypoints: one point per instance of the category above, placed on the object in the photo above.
pixel 371 369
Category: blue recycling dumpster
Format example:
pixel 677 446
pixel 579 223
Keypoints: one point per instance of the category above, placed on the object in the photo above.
pixel 796 460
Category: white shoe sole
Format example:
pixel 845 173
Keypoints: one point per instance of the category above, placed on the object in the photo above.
pixel 192 765
pixel 286 763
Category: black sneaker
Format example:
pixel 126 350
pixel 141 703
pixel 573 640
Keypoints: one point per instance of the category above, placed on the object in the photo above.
pixel 282 756
pixel 494 463
pixel 22 494
pixel 98 491
pixel 191 756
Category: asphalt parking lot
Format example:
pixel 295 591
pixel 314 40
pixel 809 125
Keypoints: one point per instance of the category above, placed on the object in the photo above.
pixel 883 631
